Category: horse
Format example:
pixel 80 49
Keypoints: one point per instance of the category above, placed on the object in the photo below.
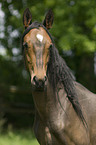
pixel 65 111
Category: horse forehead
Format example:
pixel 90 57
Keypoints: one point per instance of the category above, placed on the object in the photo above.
pixel 37 34
pixel 39 37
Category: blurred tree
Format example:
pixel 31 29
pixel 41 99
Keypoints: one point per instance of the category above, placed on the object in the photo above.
pixel 74 31
pixel 74 24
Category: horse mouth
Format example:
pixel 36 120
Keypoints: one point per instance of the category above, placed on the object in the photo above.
pixel 39 88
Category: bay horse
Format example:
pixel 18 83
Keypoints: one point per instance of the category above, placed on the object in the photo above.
pixel 65 110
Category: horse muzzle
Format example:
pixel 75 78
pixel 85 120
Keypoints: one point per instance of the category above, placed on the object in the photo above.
pixel 39 84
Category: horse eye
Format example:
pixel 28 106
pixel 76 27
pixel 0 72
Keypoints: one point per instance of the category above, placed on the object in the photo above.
pixel 25 45
pixel 51 46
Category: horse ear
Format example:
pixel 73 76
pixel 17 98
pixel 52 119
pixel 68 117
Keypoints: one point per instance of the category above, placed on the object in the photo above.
pixel 27 18
pixel 48 21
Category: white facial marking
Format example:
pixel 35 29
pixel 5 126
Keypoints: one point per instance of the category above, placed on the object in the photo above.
pixel 39 37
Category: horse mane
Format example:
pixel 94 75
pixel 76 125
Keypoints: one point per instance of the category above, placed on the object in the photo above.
pixel 59 72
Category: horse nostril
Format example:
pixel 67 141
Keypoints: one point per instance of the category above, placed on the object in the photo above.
pixel 45 79
pixel 35 79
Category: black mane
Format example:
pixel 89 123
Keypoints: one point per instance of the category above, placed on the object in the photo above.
pixel 58 72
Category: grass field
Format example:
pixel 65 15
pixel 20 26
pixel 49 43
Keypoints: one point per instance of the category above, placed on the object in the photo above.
pixel 18 137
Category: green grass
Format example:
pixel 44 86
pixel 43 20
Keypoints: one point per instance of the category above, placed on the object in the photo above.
pixel 23 137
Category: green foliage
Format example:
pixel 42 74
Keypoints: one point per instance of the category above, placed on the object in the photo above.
pixel 18 138
pixel 74 23
pixel 74 29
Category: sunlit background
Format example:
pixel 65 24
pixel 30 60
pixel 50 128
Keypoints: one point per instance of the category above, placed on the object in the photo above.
pixel 74 33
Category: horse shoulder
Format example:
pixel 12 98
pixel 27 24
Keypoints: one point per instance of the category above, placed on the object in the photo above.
pixel 86 98
pixel 66 123
pixel 87 101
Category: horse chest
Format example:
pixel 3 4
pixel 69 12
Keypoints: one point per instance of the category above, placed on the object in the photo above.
pixel 56 129
pixel 55 133
pixel 55 126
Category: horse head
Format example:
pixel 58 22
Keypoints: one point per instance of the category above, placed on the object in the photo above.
pixel 36 43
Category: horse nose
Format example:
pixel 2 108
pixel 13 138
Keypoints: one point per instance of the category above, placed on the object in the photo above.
pixel 40 82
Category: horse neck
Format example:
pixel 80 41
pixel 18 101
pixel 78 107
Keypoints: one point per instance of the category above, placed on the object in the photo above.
pixel 47 104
